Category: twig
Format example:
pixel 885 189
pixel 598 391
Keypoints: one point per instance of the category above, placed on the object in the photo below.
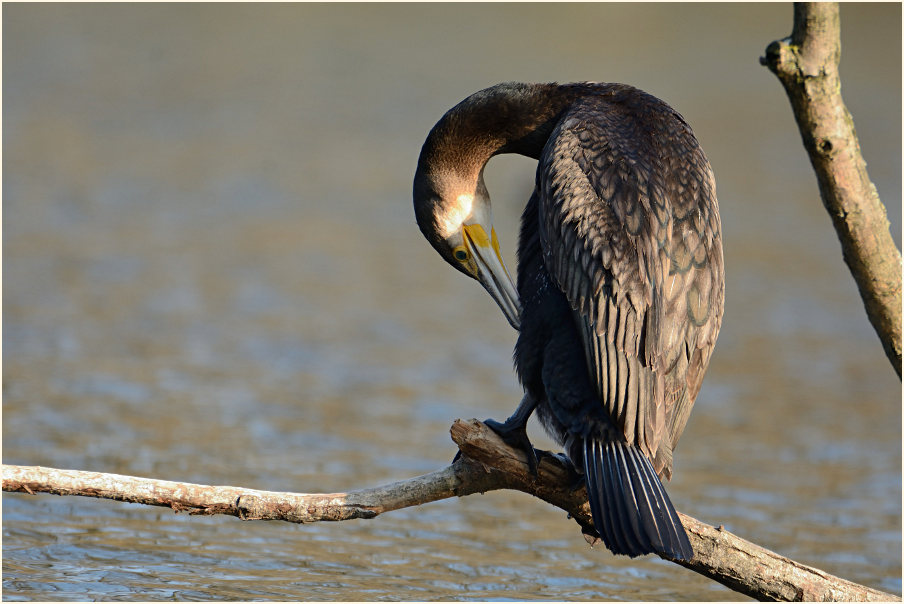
pixel 486 464
pixel 807 66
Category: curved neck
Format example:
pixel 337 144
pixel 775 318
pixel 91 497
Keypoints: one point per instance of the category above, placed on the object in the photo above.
pixel 506 118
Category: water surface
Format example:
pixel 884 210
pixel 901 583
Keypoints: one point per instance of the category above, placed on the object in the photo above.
pixel 212 274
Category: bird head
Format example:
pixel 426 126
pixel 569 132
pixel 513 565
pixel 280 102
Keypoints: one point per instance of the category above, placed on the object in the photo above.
pixel 456 218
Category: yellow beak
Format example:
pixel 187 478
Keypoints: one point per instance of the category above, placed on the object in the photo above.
pixel 491 271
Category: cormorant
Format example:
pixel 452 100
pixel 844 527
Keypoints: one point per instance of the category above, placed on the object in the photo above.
pixel 620 280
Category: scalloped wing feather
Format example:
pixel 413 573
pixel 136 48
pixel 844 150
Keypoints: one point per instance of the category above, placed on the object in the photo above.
pixel 630 232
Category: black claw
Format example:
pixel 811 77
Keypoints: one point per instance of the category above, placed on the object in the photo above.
pixel 515 435
pixel 590 535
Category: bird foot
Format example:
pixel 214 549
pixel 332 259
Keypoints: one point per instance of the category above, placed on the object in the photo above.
pixel 576 479
pixel 515 434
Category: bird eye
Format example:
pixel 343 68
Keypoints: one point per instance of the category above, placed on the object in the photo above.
pixel 461 254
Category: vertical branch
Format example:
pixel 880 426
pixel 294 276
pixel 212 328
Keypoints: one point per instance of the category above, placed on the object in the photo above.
pixel 807 66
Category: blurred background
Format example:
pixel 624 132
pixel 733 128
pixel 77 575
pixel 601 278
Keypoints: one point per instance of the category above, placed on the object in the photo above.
pixel 212 273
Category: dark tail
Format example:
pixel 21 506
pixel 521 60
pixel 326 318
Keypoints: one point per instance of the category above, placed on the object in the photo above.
pixel 631 510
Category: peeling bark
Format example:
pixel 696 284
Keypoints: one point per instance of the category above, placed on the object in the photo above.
pixel 807 66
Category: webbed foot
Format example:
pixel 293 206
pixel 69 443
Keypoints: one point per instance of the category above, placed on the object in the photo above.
pixel 514 433
pixel 576 479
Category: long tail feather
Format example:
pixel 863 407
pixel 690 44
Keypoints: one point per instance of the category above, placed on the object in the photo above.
pixel 631 510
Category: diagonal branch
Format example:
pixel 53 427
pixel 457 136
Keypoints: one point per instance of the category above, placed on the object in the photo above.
pixel 807 66
pixel 486 464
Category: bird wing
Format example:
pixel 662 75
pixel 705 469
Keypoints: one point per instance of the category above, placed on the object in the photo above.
pixel 630 231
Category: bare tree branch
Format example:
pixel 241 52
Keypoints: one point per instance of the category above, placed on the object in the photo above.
pixel 486 464
pixel 807 66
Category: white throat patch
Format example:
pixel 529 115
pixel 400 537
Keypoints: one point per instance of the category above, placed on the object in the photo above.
pixel 456 215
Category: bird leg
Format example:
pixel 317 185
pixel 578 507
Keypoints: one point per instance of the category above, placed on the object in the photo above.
pixel 514 430
pixel 577 481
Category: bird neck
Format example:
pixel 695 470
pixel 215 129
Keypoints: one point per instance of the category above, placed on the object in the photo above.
pixel 506 118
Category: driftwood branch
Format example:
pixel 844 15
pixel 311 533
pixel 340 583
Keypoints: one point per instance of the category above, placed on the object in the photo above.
pixel 486 464
pixel 807 66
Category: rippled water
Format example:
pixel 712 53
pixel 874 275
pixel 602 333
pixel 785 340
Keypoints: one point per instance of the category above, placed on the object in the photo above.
pixel 212 274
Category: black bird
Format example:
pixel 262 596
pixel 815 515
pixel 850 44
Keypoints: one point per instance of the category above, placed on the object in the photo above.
pixel 620 280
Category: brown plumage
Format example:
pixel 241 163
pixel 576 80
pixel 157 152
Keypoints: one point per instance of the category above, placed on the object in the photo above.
pixel 620 280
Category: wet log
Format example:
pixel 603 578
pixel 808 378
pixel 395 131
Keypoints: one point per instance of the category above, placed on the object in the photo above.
pixel 486 463
pixel 806 63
